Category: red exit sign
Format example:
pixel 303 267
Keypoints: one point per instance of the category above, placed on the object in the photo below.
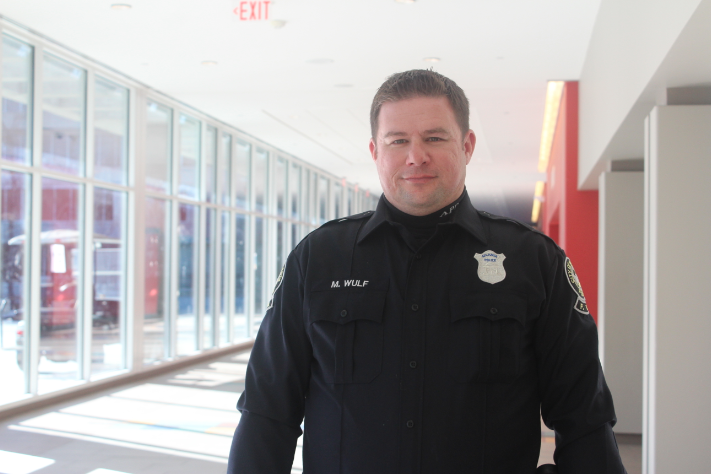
pixel 252 11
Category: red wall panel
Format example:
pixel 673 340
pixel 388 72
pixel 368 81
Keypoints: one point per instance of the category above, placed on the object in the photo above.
pixel 568 215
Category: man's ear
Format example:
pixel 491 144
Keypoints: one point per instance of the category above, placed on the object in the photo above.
pixel 373 150
pixel 469 143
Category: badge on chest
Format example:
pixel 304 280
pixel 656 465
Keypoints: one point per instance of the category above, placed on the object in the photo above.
pixel 491 266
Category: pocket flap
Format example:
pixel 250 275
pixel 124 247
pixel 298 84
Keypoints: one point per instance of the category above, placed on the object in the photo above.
pixel 345 305
pixel 492 306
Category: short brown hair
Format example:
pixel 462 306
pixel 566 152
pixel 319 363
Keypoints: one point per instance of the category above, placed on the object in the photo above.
pixel 420 83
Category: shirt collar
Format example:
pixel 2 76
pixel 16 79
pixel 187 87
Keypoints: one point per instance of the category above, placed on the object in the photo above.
pixel 465 215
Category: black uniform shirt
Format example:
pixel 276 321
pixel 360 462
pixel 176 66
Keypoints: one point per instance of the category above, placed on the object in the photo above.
pixel 437 358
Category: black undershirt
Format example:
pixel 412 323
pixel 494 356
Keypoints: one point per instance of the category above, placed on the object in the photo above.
pixel 421 228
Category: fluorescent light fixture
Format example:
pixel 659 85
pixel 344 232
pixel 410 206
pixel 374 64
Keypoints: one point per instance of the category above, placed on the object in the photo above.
pixel 320 61
pixel 432 60
pixel 405 1
pixel 343 86
pixel 550 119
pixel 120 6
pixel 209 63
pixel 538 198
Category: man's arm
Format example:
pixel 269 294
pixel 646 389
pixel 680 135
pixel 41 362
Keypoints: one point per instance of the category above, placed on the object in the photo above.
pixel 272 403
pixel 575 400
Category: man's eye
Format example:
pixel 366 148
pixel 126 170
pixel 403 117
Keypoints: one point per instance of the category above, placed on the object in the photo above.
pixel 434 139
pixel 399 141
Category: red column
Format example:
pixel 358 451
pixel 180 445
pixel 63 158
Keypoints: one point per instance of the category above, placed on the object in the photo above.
pixel 568 215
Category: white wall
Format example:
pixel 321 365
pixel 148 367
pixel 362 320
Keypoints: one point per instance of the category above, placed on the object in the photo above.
pixel 620 296
pixel 630 40
pixel 677 311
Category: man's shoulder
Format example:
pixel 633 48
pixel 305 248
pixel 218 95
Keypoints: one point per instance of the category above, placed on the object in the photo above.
pixel 507 225
pixel 341 226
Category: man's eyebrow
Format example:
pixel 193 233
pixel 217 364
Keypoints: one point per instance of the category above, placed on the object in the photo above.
pixel 437 130
pixel 394 134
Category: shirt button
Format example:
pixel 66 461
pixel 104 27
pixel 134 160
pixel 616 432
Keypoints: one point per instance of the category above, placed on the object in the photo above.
pixel 415 307
pixel 494 311
pixel 410 423
pixel 413 364
pixel 418 256
pixel 344 313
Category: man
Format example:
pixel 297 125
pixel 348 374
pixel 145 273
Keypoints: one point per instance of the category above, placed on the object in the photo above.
pixel 426 336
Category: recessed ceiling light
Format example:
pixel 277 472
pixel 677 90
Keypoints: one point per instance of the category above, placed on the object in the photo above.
pixel 320 61
pixel 344 86
pixel 276 24
pixel 209 63
pixel 405 1
pixel 432 60
pixel 120 6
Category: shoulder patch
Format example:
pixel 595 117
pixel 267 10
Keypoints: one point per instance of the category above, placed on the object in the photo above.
pixel 280 278
pixel 580 305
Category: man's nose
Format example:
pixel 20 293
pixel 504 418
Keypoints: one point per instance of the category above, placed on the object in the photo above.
pixel 417 155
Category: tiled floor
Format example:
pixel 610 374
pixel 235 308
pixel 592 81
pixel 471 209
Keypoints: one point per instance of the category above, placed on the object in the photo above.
pixel 181 423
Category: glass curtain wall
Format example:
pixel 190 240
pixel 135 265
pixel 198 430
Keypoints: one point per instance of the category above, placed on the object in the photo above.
pixel 220 212
pixel 260 180
pixel 14 285
pixel 17 91
pixel 156 310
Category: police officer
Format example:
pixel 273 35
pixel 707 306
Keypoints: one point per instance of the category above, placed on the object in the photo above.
pixel 425 337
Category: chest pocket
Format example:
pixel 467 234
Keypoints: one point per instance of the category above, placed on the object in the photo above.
pixel 346 330
pixel 485 336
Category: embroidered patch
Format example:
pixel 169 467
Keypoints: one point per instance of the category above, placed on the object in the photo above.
pixel 491 266
pixel 580 305
pixel 276 287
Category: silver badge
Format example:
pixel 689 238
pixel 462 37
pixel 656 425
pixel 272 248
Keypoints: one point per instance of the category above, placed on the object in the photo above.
pixel 491 266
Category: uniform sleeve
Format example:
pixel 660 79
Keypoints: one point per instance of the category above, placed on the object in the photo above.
pixel 575 400
pixel 272 404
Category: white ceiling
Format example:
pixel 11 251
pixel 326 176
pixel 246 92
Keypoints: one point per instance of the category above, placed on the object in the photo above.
pixel 271 83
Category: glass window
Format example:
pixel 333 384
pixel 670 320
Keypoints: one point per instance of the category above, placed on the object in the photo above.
pixel 240 327
pixel 159 146
pixel 211 165
pixel 280 186
pixel 261 161
pixel 110 132
pixel 208 326
pixel 107 351
pixel 64 91
pixel 295 197
pixel 156 337
pixel 223 169
pixel 17 61
pixel 258 274
pixel 305 196
pixel 337 196
pixel 60 285
pixel 187 279
pixel 322 200
pixel 224 335
pixel 295 191
pixel 189 167
pixel 242 169
pixel 14 281
pixel 280 247
pixel 313 199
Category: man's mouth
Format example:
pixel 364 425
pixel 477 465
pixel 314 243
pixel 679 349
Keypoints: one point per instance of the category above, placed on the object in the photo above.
pixel 419 178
